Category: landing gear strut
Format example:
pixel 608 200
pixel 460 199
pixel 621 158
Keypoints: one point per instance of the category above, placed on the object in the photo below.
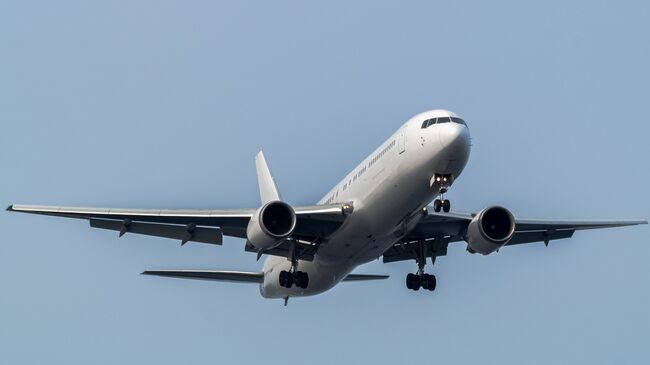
pixel 293 276
pixel 421 279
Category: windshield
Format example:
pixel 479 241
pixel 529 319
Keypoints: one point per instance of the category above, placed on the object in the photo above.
pixel 429 122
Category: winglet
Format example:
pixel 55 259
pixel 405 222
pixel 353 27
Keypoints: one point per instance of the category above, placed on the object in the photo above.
pixel 10 208
pixel 268 189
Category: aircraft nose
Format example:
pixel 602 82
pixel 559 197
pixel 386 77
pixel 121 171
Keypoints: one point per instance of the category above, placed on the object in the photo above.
pixel 454 136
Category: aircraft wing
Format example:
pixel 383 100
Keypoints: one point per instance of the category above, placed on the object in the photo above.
pixel 439 229
pixel 206 226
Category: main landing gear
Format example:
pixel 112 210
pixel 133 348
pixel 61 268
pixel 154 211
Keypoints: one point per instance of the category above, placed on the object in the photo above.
pixel 424 281
pixel 293 276
pixel 421 279
pixel 299 278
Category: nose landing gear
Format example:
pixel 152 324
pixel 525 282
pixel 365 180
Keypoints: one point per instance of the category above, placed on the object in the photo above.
pixel 421 279
pixel 441 204
pixel 444 182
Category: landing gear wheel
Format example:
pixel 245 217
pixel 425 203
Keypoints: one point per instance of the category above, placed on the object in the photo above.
pixel 429 282
pixel 446 205
pixel 413 282
pixel 301 279
pixel 422 279
pixel 437 205
pixel 425 281
pixel 411 279
pixel 286 279
pixel 417 283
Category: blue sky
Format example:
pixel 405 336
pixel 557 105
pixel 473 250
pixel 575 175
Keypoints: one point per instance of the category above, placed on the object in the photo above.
pixel 164 104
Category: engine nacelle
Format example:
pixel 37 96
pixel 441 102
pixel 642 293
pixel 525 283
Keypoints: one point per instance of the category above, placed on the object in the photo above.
pixel 491 229
pixel 270 225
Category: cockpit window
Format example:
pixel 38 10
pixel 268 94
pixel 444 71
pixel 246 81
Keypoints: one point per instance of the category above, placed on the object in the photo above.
pixel 458 120
pixel 428 122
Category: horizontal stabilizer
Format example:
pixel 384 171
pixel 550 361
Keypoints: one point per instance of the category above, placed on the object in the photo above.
pixel 235 276
pixel 364 277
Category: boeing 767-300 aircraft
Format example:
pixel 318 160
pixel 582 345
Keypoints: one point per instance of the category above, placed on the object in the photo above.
pixel 380 209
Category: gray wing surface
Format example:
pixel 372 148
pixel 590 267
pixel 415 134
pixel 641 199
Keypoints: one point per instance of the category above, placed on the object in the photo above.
pixel 439 229
pixel 194 225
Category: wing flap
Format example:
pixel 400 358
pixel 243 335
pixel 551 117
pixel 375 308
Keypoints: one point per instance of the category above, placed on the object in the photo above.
pixel 212 275
pixel 539 236
pixel 182 233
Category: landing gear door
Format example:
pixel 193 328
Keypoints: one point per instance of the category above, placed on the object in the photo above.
pixel 401 142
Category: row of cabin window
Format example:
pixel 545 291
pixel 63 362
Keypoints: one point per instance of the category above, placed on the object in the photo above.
pixel 363 170
pixel 432 121
pixel 358 174
pixel 331 198
pixel 376 158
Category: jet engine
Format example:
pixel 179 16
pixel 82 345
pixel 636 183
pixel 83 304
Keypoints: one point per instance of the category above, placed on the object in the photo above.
pixel 270 225
pixel 490 229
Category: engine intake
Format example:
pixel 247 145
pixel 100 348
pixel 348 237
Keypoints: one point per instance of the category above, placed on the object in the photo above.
pixel 490 230
pixel 270 225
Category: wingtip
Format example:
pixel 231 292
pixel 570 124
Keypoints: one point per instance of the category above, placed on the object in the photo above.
pixel 10 208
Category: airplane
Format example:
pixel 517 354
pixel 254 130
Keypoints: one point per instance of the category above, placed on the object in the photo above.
pixel 381 209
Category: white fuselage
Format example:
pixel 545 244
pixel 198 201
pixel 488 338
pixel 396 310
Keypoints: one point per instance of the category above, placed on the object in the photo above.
pixel 388 190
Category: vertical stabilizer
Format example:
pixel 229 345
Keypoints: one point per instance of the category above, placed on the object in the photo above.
pixel 268 190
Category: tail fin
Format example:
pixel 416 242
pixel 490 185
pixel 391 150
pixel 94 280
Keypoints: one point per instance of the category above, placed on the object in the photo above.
pixel 268 189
